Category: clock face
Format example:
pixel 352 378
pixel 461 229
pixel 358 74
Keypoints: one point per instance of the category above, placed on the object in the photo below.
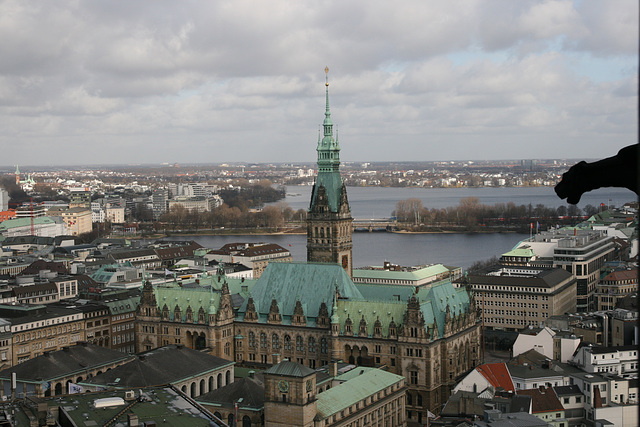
pixel 283 386
pixel 309 385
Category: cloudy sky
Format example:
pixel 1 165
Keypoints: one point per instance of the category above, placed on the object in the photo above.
pixel 91 82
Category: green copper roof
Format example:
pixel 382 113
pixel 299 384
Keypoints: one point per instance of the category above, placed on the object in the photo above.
pixel 197 297
pixel 355 390
pixel 236 286
pixel 415 275
pixel 521 252
pixel 126 305
pixel 310 283
pixel 434 304
pixel 24 222
pixel 371 311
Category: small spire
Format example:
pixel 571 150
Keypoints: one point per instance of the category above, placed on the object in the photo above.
pixel 327 113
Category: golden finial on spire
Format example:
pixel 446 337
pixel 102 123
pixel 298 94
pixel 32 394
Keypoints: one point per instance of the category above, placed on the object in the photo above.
pixel 326 71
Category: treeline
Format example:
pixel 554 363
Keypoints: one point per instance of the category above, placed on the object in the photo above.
pixel 252 196
pixel 272 217
pixel 472 215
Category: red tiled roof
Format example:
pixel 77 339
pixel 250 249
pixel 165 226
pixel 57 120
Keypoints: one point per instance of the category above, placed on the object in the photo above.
pixel 497 374
pixel 622 275
pixel 542 400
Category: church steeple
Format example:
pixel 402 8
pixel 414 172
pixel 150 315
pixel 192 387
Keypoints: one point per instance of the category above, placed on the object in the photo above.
pixel 328 147
pixel 329 218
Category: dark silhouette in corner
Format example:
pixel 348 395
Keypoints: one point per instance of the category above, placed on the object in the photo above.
pixel 620 170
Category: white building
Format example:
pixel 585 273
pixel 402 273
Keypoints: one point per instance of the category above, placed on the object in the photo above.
pixel 43 227
pixel 621 361
pixel 4 200
pixel 547 342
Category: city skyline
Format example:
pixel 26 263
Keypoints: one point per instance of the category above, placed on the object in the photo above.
pixel 87 83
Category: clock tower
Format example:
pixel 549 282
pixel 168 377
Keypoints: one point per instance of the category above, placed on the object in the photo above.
pixel 289 395
pixel 329 232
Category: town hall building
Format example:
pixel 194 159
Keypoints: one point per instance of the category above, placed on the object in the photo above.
pixel 313 313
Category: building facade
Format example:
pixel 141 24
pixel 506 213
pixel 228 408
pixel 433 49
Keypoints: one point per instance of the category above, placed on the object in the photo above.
pixel 513 298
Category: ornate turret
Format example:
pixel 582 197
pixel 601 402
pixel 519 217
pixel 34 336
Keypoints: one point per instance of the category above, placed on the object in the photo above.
pixel 329 218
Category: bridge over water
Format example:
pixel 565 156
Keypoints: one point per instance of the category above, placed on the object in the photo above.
pixel 374 224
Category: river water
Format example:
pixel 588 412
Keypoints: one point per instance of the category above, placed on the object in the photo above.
pixel 454 249
pixel 380 202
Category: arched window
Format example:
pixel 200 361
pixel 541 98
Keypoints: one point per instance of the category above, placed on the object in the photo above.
pixel 287 343
pixel 227 377
pixel 275 341
pixel 220 381
pixel 246 421
pixel 193 390
pixel 409 399
pixel 211 387
pixel 299 343
pixel 202 389
pixel 252 340
pixel 263 340
pixel 324 346
pixel 312 345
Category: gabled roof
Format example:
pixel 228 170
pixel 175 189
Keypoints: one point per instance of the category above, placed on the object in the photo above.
pixel 36 266
pixel 61 363
pixel 543 400
pixel 174 252
pixel 159 367
pixel 497 374
pixel 348 393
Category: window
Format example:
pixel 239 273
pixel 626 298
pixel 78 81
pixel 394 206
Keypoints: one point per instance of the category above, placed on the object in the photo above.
pixel 287 343
pixel 324 347
pixel 414 377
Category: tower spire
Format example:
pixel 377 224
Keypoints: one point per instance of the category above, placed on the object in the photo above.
pixel 329 218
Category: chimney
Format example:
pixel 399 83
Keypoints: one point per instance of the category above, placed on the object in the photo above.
pixel 333 369
pixel 133 420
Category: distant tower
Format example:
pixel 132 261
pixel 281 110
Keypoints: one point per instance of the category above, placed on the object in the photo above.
pixel 17 175
pixel 329 218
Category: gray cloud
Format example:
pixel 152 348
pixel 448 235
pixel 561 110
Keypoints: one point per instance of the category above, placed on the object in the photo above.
pixel 109 81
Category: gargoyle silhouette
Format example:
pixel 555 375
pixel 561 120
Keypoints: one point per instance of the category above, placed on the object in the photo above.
pixel 620 170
